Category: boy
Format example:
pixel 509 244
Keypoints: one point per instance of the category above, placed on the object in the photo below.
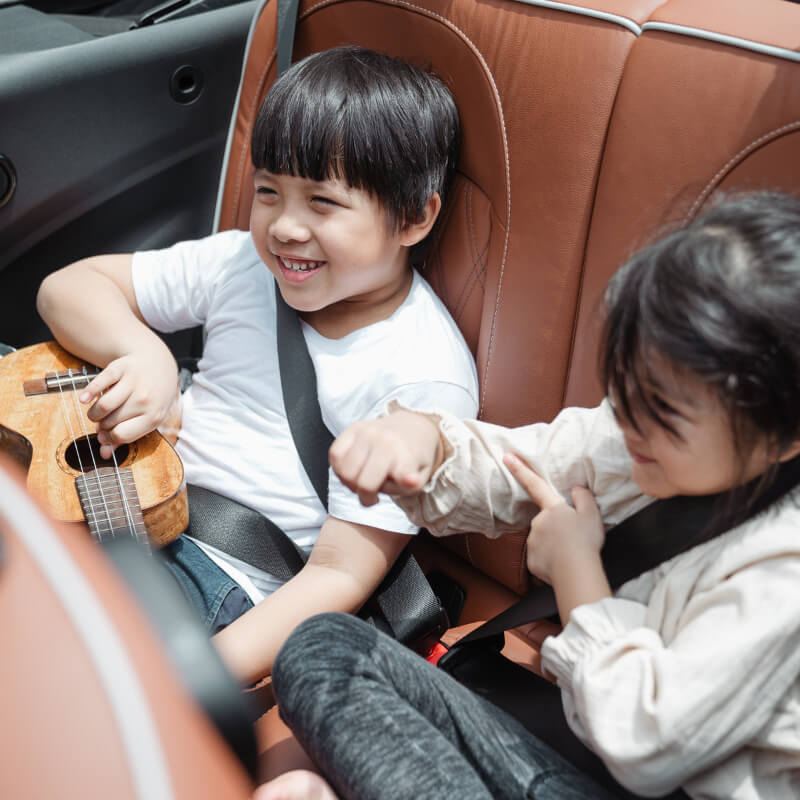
pixel 354 152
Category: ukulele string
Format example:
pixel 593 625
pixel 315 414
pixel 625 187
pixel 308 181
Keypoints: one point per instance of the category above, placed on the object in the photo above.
pixel 123 493
pixel 67 416
pixel 117 474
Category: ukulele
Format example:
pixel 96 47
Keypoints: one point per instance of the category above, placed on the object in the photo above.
pixel 138 491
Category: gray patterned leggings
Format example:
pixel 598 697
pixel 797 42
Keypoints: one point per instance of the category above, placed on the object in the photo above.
pixel 381 722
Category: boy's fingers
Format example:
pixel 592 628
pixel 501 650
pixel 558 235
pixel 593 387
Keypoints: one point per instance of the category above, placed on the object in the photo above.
pixel 106 451
pixel 537 487
pixel 111 405
pixel 108 377
pixel 125 432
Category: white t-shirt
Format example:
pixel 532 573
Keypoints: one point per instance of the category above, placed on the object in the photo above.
pixel 235 438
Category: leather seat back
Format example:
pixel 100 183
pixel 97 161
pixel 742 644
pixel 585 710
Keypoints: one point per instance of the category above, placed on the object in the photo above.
pixel 709 102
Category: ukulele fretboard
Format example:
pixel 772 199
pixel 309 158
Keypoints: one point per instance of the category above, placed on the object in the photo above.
pixel 110 503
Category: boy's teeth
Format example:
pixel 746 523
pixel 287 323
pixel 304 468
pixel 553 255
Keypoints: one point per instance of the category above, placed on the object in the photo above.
pixel 300 266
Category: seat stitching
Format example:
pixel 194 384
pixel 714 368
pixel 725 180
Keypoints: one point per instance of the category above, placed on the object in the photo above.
pixel 740 156
pixel 461 302
pixel 254 103
pixel 478 257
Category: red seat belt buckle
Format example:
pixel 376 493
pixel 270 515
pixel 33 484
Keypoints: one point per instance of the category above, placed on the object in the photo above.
pixel 436 652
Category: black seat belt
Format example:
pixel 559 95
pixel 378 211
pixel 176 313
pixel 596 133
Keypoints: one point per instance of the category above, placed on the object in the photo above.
pixel 311 436
pixel 242 532
pixel 405 599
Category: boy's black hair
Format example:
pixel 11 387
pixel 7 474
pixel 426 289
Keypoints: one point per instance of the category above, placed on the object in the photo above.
pixel 379 124
pixel 719 298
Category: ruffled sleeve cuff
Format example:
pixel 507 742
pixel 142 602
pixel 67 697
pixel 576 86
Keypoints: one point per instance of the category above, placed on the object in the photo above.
pixel 590 628
pixel 433 506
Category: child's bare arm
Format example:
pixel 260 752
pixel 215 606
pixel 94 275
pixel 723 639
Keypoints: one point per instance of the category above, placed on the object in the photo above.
pixel 345 567
pixel 91 309
pixel 394 454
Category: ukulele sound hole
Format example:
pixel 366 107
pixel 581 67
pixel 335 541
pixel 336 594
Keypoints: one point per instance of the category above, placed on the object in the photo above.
pixel 83 455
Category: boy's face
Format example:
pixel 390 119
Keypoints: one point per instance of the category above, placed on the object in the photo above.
pixel 331 250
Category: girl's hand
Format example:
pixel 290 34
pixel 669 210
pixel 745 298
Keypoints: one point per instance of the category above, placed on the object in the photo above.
pixel 131 397
pixel 559 533
pixel 394 454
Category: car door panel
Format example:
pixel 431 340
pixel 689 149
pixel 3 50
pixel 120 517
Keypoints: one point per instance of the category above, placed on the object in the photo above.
pixel 116 143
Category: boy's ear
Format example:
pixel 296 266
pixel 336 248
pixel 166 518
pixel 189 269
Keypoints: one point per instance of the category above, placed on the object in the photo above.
pixel 417 231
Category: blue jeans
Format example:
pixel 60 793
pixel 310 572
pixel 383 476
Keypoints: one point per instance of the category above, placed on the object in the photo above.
pixel 382 723
pixel 216 597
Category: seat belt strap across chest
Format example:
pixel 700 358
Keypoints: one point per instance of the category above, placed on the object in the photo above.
pixel 405 599
pixel 299 386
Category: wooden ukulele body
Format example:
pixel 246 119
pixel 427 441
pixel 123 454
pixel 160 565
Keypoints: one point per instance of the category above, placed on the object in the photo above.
pixel 40 430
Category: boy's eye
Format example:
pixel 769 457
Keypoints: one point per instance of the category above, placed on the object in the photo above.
pixel 320 199
pixel 265 191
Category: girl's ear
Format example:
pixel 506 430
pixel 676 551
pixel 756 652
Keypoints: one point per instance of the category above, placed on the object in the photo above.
pixel 790 452
pixel 417 231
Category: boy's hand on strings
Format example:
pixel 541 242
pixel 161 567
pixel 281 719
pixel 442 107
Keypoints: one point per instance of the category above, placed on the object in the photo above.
pixel 559 534
pixel 395 454
pixel 131 397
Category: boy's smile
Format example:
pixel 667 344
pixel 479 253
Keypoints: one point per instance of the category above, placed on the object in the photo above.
pixel 331 248
pixel 297 269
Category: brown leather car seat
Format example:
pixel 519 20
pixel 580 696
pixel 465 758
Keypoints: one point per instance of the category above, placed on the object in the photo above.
pixel 509 259
pixel 91 706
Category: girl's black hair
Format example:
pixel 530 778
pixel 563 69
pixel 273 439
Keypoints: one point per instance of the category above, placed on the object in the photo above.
pixel 719 298
pixel 380 124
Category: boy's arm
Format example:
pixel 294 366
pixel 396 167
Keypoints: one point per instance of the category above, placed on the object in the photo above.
pixel 345 567
pixel 91 309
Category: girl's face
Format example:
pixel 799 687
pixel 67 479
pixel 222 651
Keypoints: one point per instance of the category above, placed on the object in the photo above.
pixel 701 458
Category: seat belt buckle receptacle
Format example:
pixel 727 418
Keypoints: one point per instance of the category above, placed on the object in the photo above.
pixel 459 653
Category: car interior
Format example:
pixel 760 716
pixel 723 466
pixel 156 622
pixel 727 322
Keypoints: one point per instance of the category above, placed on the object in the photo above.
pixel 588 129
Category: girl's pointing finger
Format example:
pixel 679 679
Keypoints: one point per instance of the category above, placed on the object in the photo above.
pixel 534 484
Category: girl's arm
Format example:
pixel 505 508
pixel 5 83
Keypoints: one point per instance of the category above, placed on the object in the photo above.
pixel 668 688
pixel 473 489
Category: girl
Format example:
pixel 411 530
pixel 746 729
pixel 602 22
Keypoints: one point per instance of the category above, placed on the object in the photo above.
pixel 688 677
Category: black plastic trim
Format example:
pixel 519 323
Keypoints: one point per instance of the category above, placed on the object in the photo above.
pixel 8 180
